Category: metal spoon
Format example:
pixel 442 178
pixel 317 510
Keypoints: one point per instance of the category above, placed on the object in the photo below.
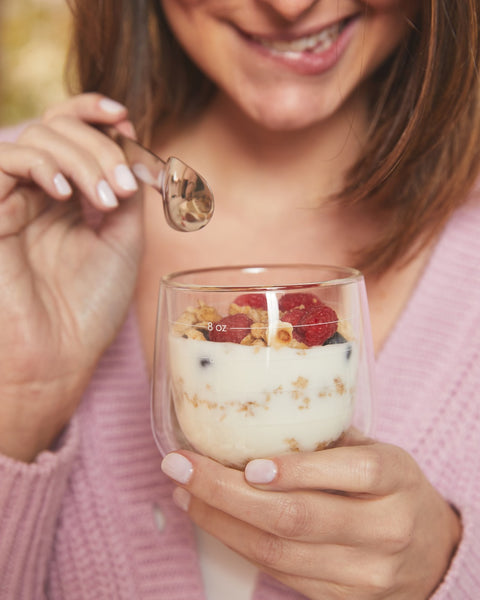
pixel 187 199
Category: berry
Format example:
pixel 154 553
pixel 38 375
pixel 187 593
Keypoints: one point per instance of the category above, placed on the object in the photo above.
pixel 252 300
pixel 294 316
pixel 232 328
pixel 318 325
pixel 337 338
pixel 297 300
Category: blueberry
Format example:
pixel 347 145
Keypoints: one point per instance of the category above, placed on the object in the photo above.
pixel 337 338
pixel 206 333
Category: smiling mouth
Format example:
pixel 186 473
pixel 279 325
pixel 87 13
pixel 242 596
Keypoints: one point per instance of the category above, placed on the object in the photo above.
pixel 315 43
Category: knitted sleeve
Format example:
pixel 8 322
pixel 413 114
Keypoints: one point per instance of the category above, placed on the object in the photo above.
pixel 457 450
pixel 10 134
pixel 428 381
pixel 30 501
pixel 462 489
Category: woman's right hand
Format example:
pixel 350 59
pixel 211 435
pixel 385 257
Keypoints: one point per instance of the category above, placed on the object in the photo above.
pixel 66 286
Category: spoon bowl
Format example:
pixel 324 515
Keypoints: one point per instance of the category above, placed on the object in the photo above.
pixel 188 202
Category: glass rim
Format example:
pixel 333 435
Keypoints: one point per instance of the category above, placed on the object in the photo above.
pixel 347 275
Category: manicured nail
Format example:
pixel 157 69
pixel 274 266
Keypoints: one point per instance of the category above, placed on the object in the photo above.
pixel 177 467
pixel 106 195
pixel 62 185
pixel 260 470
pixel 181 498
pixel 111 106
pixel 125 179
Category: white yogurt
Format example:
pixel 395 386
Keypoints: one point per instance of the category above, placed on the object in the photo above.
pixel 234 402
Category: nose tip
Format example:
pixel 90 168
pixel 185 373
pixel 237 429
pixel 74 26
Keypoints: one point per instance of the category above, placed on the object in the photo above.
pixel 290 10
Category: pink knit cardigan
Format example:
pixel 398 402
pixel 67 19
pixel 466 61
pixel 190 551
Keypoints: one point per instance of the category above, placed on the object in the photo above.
pixel 83 522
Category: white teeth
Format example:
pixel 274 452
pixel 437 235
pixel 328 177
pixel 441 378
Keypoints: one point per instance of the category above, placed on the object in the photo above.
pixel 316 43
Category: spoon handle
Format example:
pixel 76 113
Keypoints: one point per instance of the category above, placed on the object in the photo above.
pixel 146 165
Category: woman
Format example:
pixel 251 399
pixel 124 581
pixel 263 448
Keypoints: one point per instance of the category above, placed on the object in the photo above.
pixel 332 131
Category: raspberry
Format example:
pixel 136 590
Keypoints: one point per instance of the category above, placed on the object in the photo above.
pixel 297 300
pixel 318 324
pixel 232 328
pixel 252 300
pixel 294 317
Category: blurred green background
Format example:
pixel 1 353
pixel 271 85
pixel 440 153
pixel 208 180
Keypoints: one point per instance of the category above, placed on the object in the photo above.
pixel 34 36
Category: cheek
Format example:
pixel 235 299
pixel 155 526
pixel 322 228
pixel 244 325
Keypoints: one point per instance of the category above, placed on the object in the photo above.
pixel 181 7
pixel 192 4
pixel 197 32
pixel 403 7
pixel 183 2
pixel 390 20
pixel 384 4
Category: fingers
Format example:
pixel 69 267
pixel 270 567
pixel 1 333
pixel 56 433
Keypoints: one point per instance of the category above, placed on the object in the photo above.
pixel 310 516
pixel 91 108
pixel 63 151
pixel 90 160
pixel 372 468
pixel 17 162
pixel 344 517
pixel 327 562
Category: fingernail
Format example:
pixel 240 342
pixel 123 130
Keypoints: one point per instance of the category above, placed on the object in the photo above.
pixel 62 185
pixel 111 106
pixel 260 470
pixel 125 179
pixel 177 467
pixel 106 195
pixel 181 498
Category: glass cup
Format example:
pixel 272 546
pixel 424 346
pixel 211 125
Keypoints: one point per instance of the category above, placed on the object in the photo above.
pixel 255 361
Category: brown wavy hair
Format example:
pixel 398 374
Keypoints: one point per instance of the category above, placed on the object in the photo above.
pixel 423 151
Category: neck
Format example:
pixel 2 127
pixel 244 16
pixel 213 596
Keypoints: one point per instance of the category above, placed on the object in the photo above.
pixel 314 158
pixel 310 162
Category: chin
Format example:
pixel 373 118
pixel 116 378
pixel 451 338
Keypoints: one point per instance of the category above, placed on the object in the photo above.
pixel 277 115
pixel 280 104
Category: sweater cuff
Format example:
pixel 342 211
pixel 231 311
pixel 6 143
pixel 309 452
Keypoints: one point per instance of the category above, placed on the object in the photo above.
pixel 30 500
pixel 462 580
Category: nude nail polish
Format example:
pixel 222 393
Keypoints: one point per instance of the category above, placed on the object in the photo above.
pixel 106 195
pixel 177 467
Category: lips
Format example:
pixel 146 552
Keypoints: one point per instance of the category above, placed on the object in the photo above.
pixel 316 42
pixel 311 53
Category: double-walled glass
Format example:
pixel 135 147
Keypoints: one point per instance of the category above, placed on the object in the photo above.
pixel 256 361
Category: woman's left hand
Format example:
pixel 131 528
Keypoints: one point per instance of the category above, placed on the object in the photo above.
pixel 359 521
